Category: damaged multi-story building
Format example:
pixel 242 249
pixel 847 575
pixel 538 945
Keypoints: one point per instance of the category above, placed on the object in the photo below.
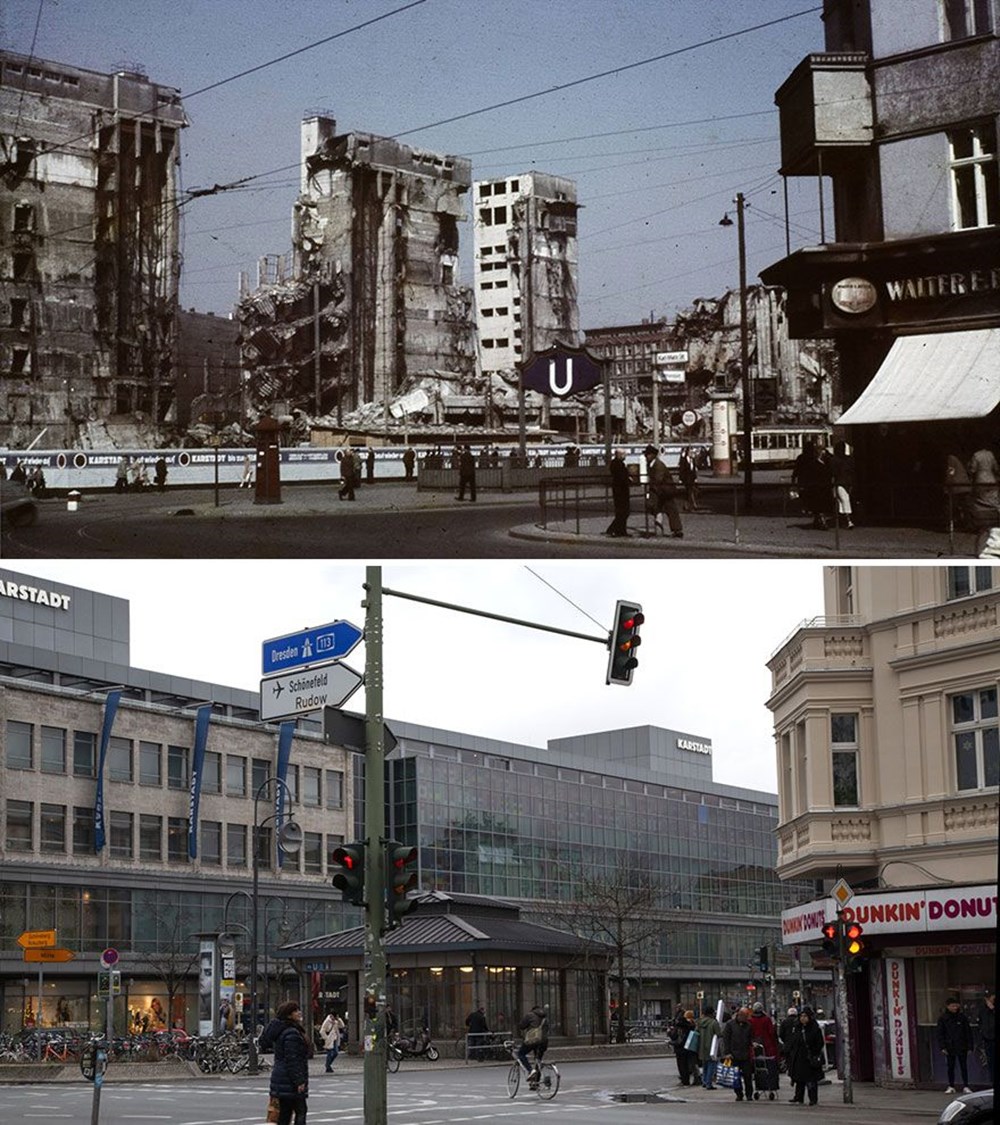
pixel 370 299
pixel 527 268
pixel 89 257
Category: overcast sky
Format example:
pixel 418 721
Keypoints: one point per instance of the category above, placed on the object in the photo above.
pixel 658 151
pixel 710 627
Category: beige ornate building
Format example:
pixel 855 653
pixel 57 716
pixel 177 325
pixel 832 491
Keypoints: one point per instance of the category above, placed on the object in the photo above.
pixel 886 729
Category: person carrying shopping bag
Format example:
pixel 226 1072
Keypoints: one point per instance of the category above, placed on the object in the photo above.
pixel 737 1045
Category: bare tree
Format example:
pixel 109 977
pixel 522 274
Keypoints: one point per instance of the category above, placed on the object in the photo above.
pixel 175 958
pixel 615 912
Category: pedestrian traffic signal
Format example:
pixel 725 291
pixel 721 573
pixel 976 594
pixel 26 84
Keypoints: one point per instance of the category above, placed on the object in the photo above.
pixel 762 961
pixel 623 642
pixel 398 881
pixel 831 939
pixel 855 947
pixel 349 860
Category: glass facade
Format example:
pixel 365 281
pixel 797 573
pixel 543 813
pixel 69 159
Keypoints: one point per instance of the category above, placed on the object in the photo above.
pixel 508 826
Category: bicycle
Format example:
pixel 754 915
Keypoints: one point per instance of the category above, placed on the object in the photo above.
pixel 546 1085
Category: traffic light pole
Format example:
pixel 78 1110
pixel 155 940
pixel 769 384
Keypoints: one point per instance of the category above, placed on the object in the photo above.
pixel 374 1038
pixel 843 1018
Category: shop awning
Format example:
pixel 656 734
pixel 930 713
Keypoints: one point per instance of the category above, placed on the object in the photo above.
pixel 932 378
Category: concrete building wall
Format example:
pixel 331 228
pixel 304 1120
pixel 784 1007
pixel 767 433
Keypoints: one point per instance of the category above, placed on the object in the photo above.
pixel 90 260
pixel 526 284
pixel 899 646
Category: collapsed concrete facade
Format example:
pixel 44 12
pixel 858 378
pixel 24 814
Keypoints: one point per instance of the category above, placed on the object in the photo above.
pixel 89 256
pixel 370 298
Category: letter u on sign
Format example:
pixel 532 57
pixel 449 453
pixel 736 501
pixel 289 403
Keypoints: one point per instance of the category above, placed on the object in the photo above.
pixel 567 385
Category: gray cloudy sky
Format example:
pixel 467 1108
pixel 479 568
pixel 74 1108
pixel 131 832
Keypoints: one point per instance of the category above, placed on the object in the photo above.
pixel 710 626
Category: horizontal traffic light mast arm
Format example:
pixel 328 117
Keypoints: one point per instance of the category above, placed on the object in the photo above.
pixel 605 640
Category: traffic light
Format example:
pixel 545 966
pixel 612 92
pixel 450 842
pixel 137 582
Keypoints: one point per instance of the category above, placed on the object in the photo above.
pixel 624 640
pixel 855 947
pixel 398 881
pixel 350 878
pixel 762 962
pixel 831 939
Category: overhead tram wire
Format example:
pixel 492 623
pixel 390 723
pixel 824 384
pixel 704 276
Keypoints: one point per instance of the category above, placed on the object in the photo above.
pixel 549 90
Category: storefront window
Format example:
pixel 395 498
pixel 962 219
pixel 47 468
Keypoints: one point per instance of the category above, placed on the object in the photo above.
pixel 977 739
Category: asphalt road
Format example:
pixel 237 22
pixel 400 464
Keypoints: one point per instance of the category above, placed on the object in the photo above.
pixel 423 1093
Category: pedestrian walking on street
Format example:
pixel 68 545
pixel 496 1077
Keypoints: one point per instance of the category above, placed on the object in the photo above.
pixel 662 493
pixel 370 465
pixel 286 1036
pixel 621 484
pixel 348 472
pixel 160 473
pixel 466 474
pixel 246 480
pixel 709 1031
pixel 785 1029
pixel 805 1057
pixel 687 470
pixel 737 1045
pixel 686 1058
pixel 984 501
pixel 842 467
pixel 331 1030
pixel 478 1029
pixel 954 1040
pixel 409 457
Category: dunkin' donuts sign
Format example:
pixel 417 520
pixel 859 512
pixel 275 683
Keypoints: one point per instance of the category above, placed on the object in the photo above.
pixel 923 911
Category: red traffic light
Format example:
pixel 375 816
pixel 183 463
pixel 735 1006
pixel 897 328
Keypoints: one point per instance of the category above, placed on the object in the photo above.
pixel 853 936
pixel 830 931
pixel 623 641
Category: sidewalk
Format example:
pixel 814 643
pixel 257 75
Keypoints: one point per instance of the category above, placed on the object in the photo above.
pixel 756 535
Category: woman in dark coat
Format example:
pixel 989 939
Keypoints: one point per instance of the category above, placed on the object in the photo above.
pixel 286 1036
pixel 805 1057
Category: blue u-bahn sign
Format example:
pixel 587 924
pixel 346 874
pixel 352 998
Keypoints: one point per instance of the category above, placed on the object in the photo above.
pixel 562 371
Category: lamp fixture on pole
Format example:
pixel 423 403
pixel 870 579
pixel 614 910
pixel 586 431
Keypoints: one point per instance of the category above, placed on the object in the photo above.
pixel 289 840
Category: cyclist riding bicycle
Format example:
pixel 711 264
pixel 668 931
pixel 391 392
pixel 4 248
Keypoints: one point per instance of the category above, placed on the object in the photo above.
pixel 534 1030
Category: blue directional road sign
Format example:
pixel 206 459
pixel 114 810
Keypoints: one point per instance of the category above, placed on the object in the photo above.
pixel 322 645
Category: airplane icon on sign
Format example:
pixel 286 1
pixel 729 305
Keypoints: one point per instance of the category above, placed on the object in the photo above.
pixel 278 689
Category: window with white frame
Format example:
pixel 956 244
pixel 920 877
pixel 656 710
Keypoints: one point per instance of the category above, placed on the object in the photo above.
pixel 966 580
pixel 963 18
pixel 844 755
pixel 976 736
pixel 975 176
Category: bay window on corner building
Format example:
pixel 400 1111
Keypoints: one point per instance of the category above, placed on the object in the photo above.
pixel 886 728
pixel 897 121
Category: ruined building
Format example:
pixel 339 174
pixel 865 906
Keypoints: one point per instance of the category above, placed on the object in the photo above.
pixel 370 299
pixel 89 261
pixel 526 268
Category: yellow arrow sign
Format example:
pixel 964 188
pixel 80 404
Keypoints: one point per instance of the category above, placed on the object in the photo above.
pixel 46 954
pixel 37 939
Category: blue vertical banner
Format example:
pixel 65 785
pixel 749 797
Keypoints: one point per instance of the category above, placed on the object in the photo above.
pixel 285 732
pixel 110 710
pixel 197 772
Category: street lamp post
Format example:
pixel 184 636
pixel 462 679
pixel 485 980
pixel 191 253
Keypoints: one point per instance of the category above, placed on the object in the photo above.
pixel 745 384
pixel 289 840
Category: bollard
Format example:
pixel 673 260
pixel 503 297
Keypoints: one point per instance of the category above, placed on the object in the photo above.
pixel 72 500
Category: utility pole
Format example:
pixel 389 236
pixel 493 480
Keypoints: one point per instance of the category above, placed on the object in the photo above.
pixel 374 1031
pixel 745 360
